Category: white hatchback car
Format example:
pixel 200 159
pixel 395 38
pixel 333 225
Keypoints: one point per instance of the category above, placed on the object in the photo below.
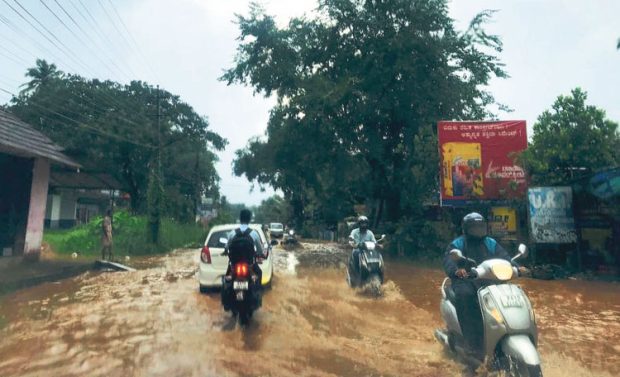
pixel 213 264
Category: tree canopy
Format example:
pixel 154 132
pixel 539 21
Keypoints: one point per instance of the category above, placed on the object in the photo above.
pixel 112 128
pixel 571 140
pixel 274 209
pixel 359 90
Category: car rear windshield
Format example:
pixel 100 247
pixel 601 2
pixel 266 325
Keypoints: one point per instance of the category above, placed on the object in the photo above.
pixel 276 226
pixel 214 239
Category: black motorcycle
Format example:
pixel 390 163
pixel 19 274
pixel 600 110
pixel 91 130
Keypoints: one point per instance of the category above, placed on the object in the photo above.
pixel 367 270
pixel 241 290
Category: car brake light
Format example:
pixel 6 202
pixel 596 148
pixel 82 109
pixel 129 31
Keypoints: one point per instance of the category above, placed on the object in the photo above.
pixel 241 270
pixel 205 255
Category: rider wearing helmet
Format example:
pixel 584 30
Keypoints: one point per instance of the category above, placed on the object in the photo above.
pixel 476 245
pixel 357 236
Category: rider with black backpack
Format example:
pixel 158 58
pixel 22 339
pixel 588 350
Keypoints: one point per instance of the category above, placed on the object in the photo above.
pixel 244 243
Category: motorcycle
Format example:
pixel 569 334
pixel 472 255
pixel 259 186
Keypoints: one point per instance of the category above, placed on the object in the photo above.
pixel 290 238
pixel 369 272
pixel 510 332
pixel 241 288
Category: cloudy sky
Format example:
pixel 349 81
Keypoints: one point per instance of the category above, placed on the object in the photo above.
pixel 550 47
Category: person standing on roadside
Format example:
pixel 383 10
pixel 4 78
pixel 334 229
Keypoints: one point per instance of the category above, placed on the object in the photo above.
pixel 106 237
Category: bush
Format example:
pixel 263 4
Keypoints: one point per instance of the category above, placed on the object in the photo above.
pixel 129 236
pixel 421 239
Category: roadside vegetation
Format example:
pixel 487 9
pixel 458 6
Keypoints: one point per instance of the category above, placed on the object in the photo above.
pixel 130 237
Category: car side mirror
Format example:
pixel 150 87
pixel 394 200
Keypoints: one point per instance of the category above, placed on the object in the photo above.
pixel 456 255
pixel 224 240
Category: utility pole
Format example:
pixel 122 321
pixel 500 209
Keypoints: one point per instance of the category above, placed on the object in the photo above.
pixel 155 189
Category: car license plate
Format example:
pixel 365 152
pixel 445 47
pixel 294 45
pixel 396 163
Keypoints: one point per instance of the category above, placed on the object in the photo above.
pixel 512 301
pixel 240 285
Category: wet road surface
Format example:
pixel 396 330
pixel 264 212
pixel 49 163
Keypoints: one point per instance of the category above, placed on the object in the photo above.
pixel 154 322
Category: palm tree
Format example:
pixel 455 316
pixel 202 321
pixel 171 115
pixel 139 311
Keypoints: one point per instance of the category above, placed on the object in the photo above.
pixel 40 75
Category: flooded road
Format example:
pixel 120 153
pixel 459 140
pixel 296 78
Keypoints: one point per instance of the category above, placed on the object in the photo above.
pixel 154 322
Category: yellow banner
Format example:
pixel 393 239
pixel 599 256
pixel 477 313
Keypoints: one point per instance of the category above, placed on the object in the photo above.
pixel 503 220
pixel 462 171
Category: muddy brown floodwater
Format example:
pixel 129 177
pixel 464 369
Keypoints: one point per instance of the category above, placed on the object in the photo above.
pixel 153 322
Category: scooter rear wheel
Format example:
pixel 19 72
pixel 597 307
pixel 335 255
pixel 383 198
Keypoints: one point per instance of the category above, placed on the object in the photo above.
pixel 244 318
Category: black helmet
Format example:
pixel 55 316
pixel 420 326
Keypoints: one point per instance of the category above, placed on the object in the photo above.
pixel 474 225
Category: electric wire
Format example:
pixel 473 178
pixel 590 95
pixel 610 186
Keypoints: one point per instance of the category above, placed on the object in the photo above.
pixel 105 11
pixel 110 99
pixel 86 35
pixel 100 29
pixel 79 98
pixel 148 64
pixel 67 52
pixel 86 45
pixel 85 99
pixel 101 99
pixel 92 105
pixel 19 31
pixel 14 58
pixel 83 125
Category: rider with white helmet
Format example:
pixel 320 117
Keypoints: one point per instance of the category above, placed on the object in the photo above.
pixel 359 235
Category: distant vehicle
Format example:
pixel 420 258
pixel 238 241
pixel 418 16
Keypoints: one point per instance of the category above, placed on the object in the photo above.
pixel 277 230
pixel 370 270
pixel 290 238
pixel 213 264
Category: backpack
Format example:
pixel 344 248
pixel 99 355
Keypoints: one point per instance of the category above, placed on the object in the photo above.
pixel 241 246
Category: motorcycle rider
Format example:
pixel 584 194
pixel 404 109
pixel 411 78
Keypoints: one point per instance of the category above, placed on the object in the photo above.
pixel 476 245
pixel 357 236
pixel 245 216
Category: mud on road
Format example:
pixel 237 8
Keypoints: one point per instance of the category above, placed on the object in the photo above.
pixel 154 322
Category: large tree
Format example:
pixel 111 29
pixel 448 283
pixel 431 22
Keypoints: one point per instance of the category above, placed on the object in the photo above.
pixel 360 88
pixel 571 140
pixel 112 128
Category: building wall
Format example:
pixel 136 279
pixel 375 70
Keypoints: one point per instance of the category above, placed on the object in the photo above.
pixel 61 209
pixel 52 212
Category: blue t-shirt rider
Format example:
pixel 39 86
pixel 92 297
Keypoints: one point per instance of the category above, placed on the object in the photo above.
pixel 476 245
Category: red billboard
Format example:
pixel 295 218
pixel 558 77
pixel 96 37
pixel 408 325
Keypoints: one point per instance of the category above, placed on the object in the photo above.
pixel 477 161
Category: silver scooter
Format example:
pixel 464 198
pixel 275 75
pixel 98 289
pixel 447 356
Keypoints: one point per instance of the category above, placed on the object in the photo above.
pixel 510 333
pixel 370 271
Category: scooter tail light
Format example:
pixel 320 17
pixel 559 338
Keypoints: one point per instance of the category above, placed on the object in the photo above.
pixel 205 255
pixel 241 270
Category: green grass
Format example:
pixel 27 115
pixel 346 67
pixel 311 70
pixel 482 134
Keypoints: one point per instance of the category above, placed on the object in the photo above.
pixel 129 235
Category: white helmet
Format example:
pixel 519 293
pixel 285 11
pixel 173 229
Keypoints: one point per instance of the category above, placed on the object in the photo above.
pixel 362 220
